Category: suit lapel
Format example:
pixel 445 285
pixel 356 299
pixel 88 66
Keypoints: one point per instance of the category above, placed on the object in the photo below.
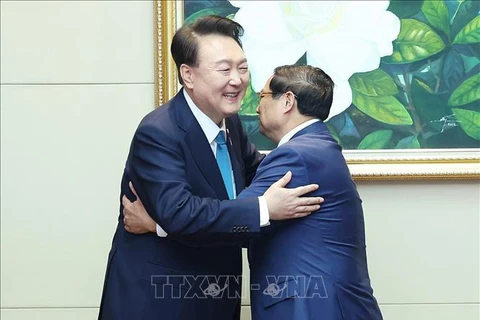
pixel 203 157
pixel 198 145
pixel 236 167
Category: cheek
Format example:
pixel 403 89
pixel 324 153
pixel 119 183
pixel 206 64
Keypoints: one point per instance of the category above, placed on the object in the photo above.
pixel 261 109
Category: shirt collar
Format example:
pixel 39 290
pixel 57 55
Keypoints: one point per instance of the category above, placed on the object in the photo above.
pixel 292 132
pixel 210 128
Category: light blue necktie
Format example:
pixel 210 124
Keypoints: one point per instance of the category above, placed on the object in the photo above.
pixel 224 164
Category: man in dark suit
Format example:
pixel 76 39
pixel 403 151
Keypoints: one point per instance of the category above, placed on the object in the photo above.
pixel 194 272
pixel 314 267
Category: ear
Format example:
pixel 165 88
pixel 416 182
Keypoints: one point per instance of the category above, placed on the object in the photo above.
pixel 187 75
pixel 290 101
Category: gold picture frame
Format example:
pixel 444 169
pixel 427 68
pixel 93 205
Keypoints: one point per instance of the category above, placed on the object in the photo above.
pixel 408 164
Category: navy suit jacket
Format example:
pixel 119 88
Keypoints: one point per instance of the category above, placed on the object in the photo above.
pixel 313 267
pixel 175 173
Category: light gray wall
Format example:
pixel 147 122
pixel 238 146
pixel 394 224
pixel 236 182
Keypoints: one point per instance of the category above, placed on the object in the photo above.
pixel 77 77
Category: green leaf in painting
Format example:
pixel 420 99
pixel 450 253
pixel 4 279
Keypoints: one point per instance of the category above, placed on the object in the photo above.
pixel 384 109
pixel 302 61
pixel 415 42
pixel 410 142
pixel 436 13
pixel 249 103
pixel 453 72
pixel 404 8
pixel 466 11
pixel 220 11
pixel 376 140
pixel 430 107
pixel 470 33
pixel 250 124
pixel 470 62
pixel 475 49
pixel 376 83
pixel 466 92
pixel 469 121
pixel 334 134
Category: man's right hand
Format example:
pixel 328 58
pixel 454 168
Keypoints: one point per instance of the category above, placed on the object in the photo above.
pixel 135 217
pixel 286 203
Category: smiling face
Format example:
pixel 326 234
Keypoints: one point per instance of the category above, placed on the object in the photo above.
pixel 219 82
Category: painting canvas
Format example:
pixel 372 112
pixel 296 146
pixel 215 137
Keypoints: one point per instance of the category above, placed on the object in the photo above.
pixel 406 73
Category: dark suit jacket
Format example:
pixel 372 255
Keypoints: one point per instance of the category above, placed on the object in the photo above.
pixel 175 173
pixel 313 267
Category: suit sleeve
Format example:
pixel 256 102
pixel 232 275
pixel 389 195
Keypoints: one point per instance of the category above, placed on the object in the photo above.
pixel 158 170
pixel 272 168
pixel 275 166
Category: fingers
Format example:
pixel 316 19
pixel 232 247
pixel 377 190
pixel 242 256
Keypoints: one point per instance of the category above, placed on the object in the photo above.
pixel 307 201
pixel 125 221
pixel 130 184
pixel 303 211
pixel 283 181
pixel 300 191
pixel 125 214
pixel 300 215
pixel 308 209
pixel 125 201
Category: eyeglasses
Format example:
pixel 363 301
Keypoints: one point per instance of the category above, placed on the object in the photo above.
pixel 262 94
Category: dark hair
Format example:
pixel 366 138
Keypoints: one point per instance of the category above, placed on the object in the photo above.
pixel 312 87
pixel 185 42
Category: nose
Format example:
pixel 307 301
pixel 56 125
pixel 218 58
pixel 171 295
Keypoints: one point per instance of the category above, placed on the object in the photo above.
pixel 258 109
pixel 235 78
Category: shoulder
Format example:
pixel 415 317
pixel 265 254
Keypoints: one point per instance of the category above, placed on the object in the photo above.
pixel 285 155
pixel 314 143
pixel 161 114
pixel 308 148
pixel 163 121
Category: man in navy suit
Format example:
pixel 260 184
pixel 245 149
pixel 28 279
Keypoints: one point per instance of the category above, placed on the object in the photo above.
pixel 194 272
pixel 314 267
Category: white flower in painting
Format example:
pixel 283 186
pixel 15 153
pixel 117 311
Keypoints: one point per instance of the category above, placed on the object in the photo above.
pixel 340 37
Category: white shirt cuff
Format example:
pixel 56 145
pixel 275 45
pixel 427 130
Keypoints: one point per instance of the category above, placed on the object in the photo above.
pixel 264 214
pixel 160 232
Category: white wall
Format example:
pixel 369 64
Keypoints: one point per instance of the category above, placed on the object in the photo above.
pixel 77 77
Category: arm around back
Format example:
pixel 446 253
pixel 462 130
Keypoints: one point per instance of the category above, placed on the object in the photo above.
pixel 160 168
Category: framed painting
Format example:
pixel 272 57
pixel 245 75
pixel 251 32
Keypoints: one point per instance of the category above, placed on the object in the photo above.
pixel 407 75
